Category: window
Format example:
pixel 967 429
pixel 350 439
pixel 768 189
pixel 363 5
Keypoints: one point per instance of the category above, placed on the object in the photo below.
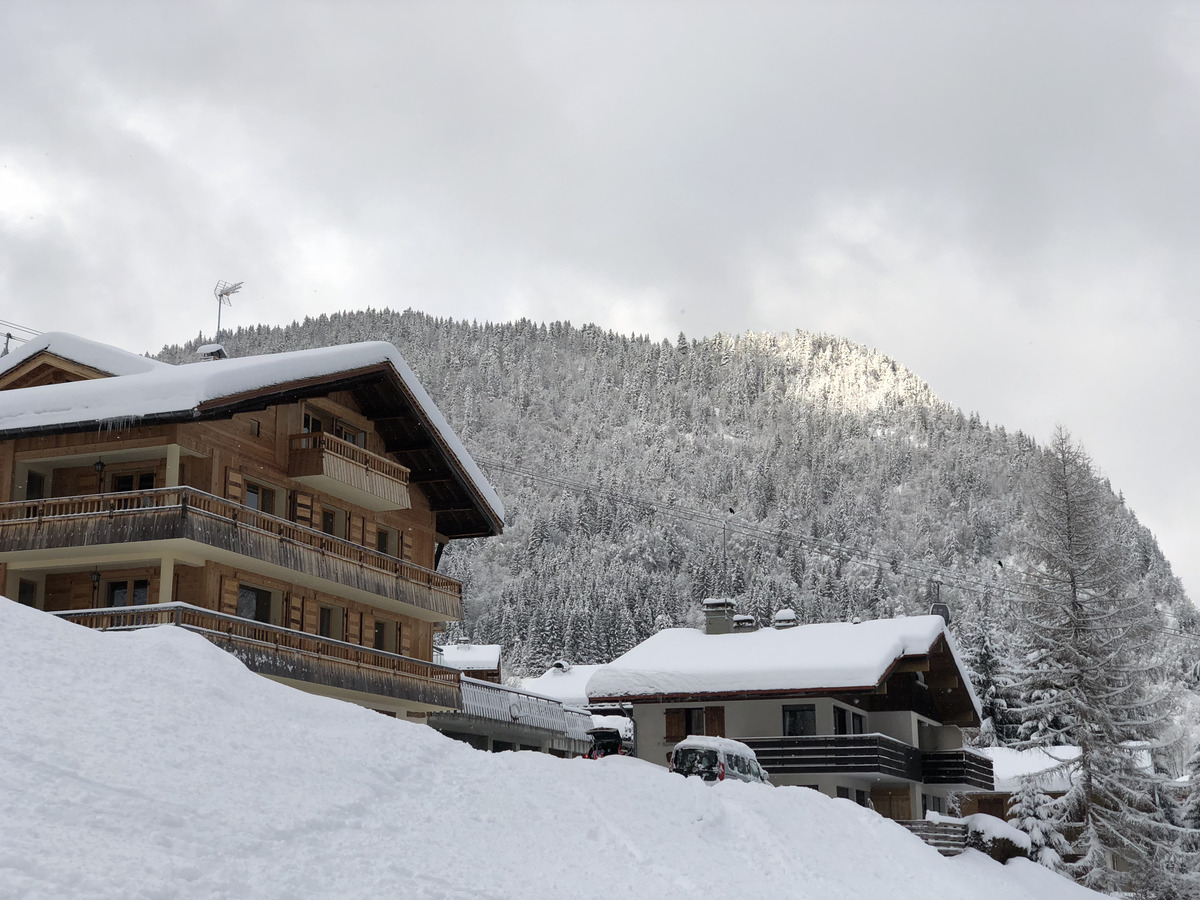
pixel 841 720
pixel 328 521
pixel 27 593
pixel 858 723
pixel 260 498
pixel 385 636
pixel 684 720
pixel 932 802
pixel 862 798
pixel 35 486
pixel 135 592
pixel 843 792
pixel 383 541
pixel 311 424
pixel 333 521
pixel 254 603
pixel 330 622
pixel 799 721
pixel 133 481
pixel 348 433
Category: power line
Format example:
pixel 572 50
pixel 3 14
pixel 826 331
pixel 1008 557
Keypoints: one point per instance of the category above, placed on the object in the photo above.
pixel 830 549
pixel 33 332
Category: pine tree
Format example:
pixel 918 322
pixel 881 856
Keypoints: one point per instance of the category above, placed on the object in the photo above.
pixel 1032 811
pixel 1090 678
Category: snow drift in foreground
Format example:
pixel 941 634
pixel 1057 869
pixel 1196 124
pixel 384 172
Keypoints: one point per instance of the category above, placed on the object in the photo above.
pixel 152 765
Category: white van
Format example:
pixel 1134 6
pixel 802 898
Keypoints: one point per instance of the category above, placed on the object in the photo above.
pixel 715 759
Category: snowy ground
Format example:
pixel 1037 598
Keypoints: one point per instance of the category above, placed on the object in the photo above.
pixel 153 765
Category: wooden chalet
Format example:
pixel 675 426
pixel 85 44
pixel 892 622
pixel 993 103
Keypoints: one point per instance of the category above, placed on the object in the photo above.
pixel 290 507
pixel 870 712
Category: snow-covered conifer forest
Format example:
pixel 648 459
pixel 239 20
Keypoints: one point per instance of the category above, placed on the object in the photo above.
pixel 785 470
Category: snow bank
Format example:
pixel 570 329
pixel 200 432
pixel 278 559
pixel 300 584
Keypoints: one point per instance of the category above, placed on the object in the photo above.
pixel 834 655
pixel 152 765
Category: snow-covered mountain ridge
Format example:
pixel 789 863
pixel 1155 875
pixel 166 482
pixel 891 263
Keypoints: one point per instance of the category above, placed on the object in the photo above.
pixel 152 764
pixel 619 459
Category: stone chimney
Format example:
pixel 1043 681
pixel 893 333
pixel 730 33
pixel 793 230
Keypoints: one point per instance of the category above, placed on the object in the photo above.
pixel 718 615
pixel 785 618
pixel 743 624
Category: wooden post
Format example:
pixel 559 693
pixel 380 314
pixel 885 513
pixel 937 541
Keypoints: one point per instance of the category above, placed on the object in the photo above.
pixel 166 573
pixel 172 477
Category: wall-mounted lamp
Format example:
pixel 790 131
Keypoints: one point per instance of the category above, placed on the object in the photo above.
pixel 99 467
pixel 95 578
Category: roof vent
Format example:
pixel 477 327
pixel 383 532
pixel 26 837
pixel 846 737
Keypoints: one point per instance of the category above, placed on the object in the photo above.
pixel 744 623
pixel 785 618
pixel 212 351
pixel 562 665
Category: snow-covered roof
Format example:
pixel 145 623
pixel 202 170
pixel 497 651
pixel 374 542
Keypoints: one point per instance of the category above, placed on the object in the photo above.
pixel 827 656
pixel 568 685
pixel 103 357
pixel 151 390
pixel 469 657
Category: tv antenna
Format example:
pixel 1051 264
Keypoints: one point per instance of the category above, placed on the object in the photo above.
pixel 222 292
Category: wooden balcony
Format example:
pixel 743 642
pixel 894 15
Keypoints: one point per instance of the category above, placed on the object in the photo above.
pixel 864 754
pixel 337 467
pixel 371 677
pixel 963 769
pixel 87 525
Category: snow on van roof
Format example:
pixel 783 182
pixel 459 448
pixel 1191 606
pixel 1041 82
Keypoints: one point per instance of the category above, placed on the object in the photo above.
pixel 158 389
pixel 833 655
pixel 707 742
pixel 93 354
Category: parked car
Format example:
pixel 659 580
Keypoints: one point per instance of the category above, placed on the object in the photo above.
pixel 608 742
pixel 715 759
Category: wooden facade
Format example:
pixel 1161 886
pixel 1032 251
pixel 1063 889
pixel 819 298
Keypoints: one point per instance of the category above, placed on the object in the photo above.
pixel 292 509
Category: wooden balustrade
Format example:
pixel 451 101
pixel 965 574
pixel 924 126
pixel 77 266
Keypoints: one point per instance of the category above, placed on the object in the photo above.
pixel 327 443
pixel 74 514
pixel 297 655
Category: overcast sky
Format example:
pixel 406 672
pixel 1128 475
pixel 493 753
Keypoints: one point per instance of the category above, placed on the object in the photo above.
pixel 1005 197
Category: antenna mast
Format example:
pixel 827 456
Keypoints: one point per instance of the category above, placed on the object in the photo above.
pixel 222 292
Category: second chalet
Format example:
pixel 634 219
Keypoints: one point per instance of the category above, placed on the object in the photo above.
pixel 869 711
pixel 291 507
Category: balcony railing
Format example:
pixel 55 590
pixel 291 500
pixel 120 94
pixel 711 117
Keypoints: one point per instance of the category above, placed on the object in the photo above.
pixel 498 709
pixel 868 754
pixel 961 768
pixel 346 470
pixel 294 655
pixel 187 513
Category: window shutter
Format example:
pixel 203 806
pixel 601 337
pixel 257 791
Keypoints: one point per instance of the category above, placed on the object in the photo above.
pixel 714 721
pixel 235 486
pixel 302 508
pixel 676 726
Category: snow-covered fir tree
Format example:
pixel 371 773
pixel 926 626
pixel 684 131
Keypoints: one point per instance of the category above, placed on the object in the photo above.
pixel 1093 675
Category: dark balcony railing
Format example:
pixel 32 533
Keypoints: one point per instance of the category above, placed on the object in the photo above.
pixel 870 754
pixel 295 655
pixel 336 464
pixel 187 513
pixel 962 768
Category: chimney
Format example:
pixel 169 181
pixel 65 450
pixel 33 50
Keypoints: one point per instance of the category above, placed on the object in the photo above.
pixel 785 618
pixel 743 624
pixel 718 615
pixel 210 352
